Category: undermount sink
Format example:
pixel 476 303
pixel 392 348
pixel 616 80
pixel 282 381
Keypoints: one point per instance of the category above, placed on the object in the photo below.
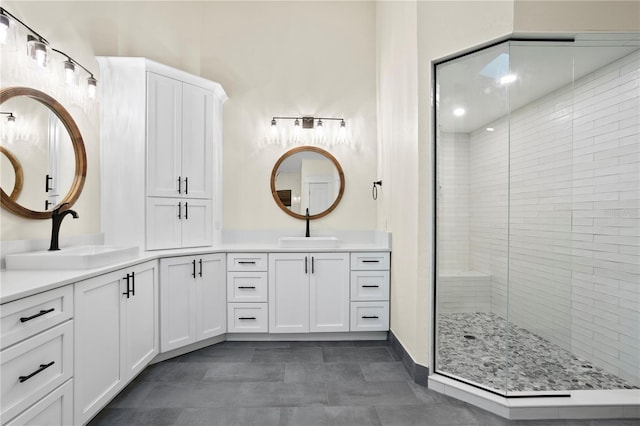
pixel 309 242
pixel 79 257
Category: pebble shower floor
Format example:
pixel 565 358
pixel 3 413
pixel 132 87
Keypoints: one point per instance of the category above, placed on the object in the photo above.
pixel 473 346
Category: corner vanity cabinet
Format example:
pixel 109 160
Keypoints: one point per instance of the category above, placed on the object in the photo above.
pixel 193 302
pixel 308 292
pixel 116 334
pixel 166 191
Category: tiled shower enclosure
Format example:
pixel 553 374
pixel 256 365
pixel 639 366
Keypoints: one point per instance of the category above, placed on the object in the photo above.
pixel 537 216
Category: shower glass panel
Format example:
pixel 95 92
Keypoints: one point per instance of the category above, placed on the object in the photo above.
pixel 537 206
pixel 473 217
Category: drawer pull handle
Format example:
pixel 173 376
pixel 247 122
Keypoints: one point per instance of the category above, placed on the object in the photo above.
pixel 370 261
pixel 370 286
pixel 247 318
pixel 247 286
pixel 39 314
pixel 39 370
pixel 370 317
pixel 247 262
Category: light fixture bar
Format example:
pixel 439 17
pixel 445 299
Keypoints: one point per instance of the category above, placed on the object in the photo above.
pixel 91 81
pixel 5 12
pixel 308 122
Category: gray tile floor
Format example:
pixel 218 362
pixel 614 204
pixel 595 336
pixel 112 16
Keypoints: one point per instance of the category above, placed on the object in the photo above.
pixel 292 383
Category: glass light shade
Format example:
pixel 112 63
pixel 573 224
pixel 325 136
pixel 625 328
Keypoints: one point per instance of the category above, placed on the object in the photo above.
pixel 92 84
pixel 70 72
pixel 4 29
pixel 37 51
pixel 11 120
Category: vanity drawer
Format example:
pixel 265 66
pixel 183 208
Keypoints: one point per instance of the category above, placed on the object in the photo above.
pixel 369 285
pixel 33 368
pixel 369 316
pixel 247 287
pixel 55 409
pixel 247 262
pixel 27 317
pixel 369 261
pixel 247 318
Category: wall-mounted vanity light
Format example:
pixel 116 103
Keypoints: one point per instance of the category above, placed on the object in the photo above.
pixel 11 119
pixel 38 49
pixel 308 122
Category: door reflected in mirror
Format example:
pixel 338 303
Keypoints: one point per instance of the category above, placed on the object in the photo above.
pixel 307 177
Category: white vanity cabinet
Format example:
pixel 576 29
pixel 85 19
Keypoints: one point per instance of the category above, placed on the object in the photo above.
pixel 370 291
pixel 116 331
pixel 193 302
pixel 308 292
pixel 247 293
pixel 166 191
pixel 37 359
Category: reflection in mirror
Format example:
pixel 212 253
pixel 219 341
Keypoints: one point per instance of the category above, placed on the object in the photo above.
pixel 46 143
pixel 11 171
pixel 307 177
pixel 43 148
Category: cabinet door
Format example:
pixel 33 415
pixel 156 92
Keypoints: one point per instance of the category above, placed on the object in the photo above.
pixel 98 323
pixel 329 292
pixel 197 141
pixel 289 293
pixel 141 326
pixel 211 300
pixel 163 225
pixel 164 133
pixel 177 286
pixel 196 223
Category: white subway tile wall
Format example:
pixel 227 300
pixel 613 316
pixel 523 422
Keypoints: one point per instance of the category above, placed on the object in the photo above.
pixel 567 166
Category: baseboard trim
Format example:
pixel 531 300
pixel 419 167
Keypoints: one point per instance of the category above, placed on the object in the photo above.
pixel 418 373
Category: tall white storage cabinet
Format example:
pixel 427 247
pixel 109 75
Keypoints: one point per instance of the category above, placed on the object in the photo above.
pixel 165 191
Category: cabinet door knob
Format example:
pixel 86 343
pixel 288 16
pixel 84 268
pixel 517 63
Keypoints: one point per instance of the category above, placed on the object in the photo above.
pixel 247 286
pixel 179 210
pixel 200 273
pixel 370 317
pixel 193 262
pixel 186 210
pixel 305 265
pixel 370 286
pixel 186 185
pixel 179 185
pixel 247 318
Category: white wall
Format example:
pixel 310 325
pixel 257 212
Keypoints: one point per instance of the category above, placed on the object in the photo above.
pixel 272 58
pixel 574 231
pixel 410 36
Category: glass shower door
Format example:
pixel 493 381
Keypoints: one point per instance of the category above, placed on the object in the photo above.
pixel 472 189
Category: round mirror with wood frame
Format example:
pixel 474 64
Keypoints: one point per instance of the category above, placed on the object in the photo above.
pixel 326 175
pixel 8 201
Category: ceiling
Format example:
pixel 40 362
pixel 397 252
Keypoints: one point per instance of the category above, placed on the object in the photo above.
pixel 471 81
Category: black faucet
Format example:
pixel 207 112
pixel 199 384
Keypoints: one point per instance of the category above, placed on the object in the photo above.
pixel 56 218
pixel 307 218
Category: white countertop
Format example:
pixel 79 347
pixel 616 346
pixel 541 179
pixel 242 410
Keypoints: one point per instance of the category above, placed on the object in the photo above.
pixel 16 284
